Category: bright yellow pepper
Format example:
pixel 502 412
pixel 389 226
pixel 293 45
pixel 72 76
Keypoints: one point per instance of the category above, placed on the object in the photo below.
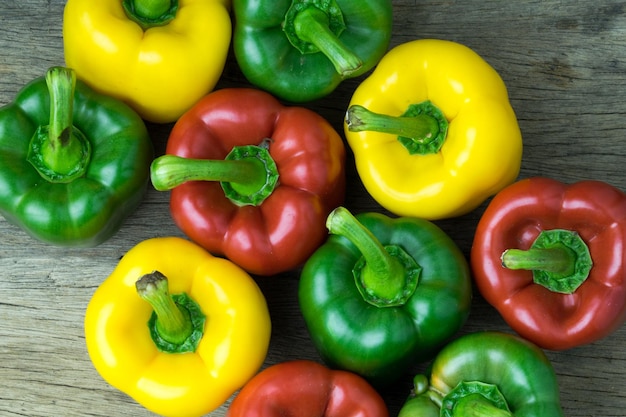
pixel 458 123
pixel 234 327
pixel 159 57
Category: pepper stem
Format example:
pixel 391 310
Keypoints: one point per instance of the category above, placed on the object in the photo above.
pixel 149 13
pixel 314 26
pixel 422 129
pixel 475 399
pixel 59 151
pixel 248 174
pixel 559 260
pixel 177 323
pixel 386 276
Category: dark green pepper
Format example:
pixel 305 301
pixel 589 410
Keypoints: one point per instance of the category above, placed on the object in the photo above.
pixel 383 294
pixel 73 163
pixel 301 50
pixel 486 374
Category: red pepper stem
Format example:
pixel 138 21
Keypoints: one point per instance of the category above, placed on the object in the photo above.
pixel 311 25
pixel 423 128
pixel 248 175
pixel 556 260
pixel 383 279
pixel 173 323
pixel 59 151
pixel 559 260
pixel 476 405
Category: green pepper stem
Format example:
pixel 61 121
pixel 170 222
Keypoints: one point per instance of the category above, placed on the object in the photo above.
pixel 423 128
pixel 312 25
pixel 476 405
pixel 385 279
pixel 173 323
pixel 559 260
pixel 149 13
pixel 59 151
pixel 248 175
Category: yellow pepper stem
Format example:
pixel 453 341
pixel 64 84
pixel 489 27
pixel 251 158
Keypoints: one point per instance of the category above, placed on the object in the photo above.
pixel 177 323
pixel 149 13
pixel 421 129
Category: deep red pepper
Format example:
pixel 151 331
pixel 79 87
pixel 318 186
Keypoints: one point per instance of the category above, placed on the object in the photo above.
pixel 266 207
pixel 570 288
pixel 303 388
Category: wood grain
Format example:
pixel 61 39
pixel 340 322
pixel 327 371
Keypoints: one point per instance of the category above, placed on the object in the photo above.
pixel 564 63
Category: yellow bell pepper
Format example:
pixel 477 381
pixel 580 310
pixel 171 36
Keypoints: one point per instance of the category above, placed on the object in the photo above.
pixel 158 56
pixel 432 130
pixel 181 351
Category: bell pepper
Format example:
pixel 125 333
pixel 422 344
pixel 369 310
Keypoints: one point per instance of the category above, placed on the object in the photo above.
pixel 158 56
pixel 550 258
pixel 74 163
pixel 303 388
pixel 301 50
pixel 177 329
pixel 486 374
pixel 251 179
pixel 432 130
pixel 383 294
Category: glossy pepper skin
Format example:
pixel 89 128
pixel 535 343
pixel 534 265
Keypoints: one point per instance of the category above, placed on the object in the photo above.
pixel 303 388
pixel 158 56
pixel 301 50
pixel 74 164
pixel 486 374
pixel 231 346
pixel 550 256
pixel 383 293
pixel 269 218
pixel 432 130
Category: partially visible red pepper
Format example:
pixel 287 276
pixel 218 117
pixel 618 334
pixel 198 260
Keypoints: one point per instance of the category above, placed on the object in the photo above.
pixel 303 388
pixel 550 258
pixel 252 179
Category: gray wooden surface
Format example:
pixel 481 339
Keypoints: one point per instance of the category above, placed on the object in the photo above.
pixel 564 62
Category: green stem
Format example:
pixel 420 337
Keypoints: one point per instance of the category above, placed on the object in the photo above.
pixel 385 275
pixel 149 13
pixel 59 151
pixel 421 129
pixel 311 25
pixel 559 260
pixel 475 405
pixel 248 175
pixel 173 324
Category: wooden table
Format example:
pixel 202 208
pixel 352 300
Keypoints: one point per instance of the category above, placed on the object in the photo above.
pixel 564 63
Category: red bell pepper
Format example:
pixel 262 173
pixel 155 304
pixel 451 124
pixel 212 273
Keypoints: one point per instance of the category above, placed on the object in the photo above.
pixel 251 179
pixel 550 258
pixel 303 388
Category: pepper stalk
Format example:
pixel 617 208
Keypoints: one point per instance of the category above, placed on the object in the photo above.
pixel 150 13
pixel 422 129
pixel 386 276
pixel 248 174
pixel 559 260
pixel 59 151
pixel 177 323
pixel 315 26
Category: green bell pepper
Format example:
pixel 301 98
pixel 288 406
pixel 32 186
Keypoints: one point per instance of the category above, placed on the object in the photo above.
pixel 486 374
pixel 301 50
pixel 383 294
pixel 73 163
